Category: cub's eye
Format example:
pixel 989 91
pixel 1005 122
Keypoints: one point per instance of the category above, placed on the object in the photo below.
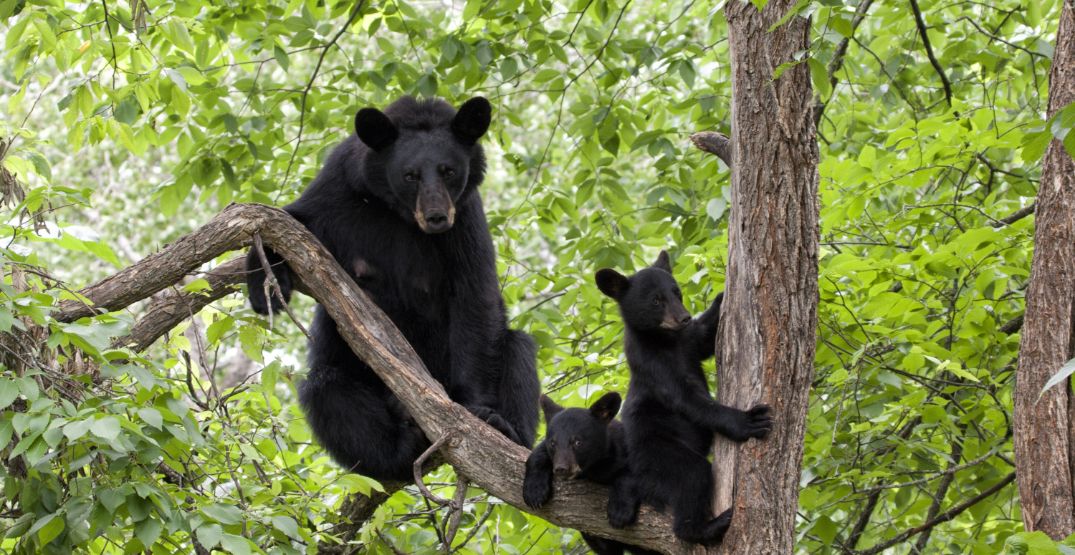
pixel 410 176
pixel 656 301
pixel 552 444
pixel 447 173
pixel 576 443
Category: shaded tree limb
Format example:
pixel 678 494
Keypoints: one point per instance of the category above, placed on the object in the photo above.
pixel 354 512
pixel 475 450
pixel 921 24
pixel 1017 215
pixel 941 518
pixel 176 305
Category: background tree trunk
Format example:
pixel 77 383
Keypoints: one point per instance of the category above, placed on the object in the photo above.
pixel 1045 424
pixel 767 336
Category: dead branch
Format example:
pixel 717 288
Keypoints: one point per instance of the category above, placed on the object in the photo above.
pixel 714 143
pixel 477 451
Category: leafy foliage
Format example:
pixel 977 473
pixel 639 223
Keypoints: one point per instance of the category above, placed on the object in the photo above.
pixel 129 124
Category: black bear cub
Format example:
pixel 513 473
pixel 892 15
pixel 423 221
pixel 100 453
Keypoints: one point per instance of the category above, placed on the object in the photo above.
pixel 669 415
pixel 585 444
pixel 398 206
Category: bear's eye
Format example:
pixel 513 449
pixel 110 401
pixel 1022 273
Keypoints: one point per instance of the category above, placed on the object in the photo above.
pixel 552 444
pixel 576 443
pixel 448 173
pixel 656 301
pixel 410 176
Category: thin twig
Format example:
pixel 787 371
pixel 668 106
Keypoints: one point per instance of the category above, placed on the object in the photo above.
pixel 417 467
pixel 309 85
pixel 271 283
pixel 921 23
pixel 475 529
pixel 456 512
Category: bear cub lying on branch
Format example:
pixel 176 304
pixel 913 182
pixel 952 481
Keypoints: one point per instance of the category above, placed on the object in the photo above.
pixel 397 205
pixel 587 444
pixel 669 416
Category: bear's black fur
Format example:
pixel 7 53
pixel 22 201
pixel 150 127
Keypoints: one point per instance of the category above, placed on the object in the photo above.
pixel 669 415
pixel 586 444
pixel 397 205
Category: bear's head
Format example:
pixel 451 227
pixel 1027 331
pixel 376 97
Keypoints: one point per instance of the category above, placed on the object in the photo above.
pixel 424 156
pixel 577 439
pixel 650 301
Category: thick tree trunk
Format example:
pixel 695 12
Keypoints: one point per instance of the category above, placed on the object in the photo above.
pixel 1045 424
pixel 769 320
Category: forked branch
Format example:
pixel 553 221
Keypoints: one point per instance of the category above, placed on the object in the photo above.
pixel 477 451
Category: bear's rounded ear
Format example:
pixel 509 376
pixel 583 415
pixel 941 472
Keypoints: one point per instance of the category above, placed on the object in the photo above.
pixel 375 129
pixel 663 262
pixel 550 408
pixel 472 120
pixel 611 282
pixel 606 407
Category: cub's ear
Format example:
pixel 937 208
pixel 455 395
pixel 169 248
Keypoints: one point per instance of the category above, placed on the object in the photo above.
pixel 606 407
pixel 472 120
pixel 550 408
pixel 611 283
pixel 663 262
pixel 375 129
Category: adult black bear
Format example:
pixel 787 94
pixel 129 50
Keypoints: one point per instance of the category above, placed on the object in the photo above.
pixel 587 444
pixel 669 415
pixel 397 205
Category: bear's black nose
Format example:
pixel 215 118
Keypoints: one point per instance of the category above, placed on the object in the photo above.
pixel 436 218
pixel 561 471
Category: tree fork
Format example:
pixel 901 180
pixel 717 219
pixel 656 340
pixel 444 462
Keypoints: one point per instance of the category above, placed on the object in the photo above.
pixel 475 450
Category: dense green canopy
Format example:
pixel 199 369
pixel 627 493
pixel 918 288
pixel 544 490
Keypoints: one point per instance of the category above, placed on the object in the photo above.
pixel 127 125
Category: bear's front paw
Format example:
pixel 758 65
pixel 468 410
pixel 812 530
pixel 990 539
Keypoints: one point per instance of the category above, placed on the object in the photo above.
pixel 536 491
pixel 256 289
pixel 754 423
pixel 716 528
pixel 494 419
pixel 622 514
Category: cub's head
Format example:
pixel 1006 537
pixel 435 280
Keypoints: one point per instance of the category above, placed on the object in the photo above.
pixel 649 300
pixel 424 155
pixel 577 438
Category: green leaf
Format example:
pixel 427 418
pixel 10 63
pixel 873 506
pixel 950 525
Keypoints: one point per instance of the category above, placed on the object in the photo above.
pixel 106 428
pixel 281 57
pixel 224 514
pixel 148 530
pixel 236 545
pixel 287 525
pixel 209 535
pixel 9 390
pixel 47 528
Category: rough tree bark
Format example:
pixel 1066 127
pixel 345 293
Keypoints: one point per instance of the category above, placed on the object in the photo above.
pixel 767 336
pixel 1044 425
pixel 474 449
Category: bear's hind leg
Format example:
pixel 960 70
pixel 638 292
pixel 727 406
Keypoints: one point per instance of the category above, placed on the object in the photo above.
pixel 519 387
pixel 358 425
